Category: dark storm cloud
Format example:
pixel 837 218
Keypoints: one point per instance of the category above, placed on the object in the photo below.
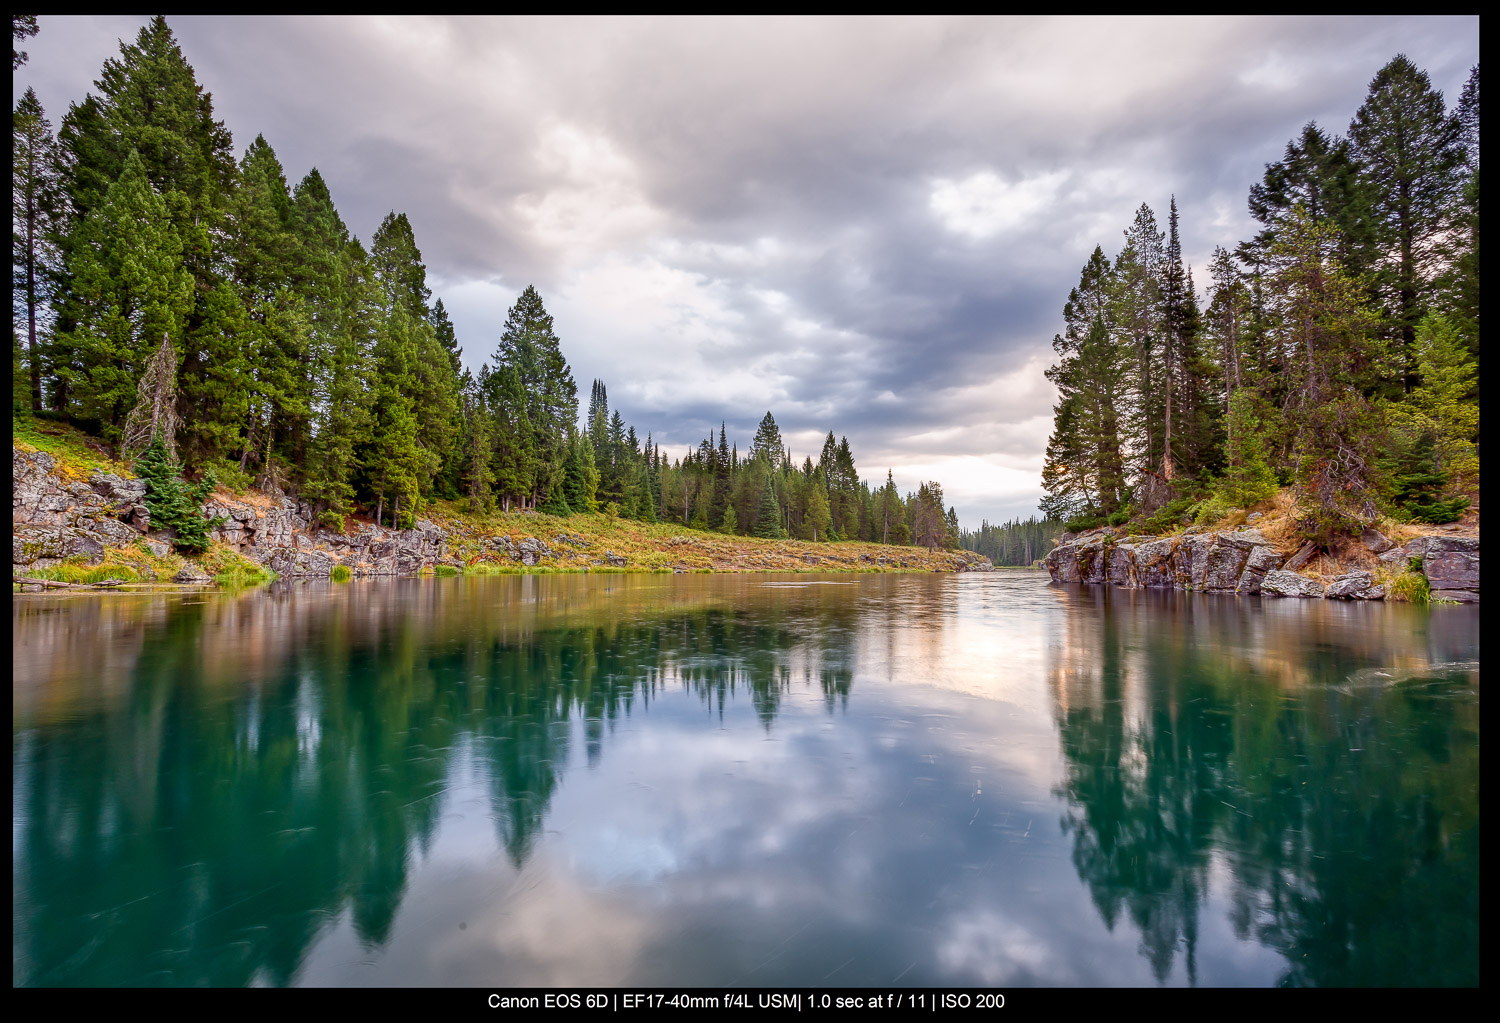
pixel 867 225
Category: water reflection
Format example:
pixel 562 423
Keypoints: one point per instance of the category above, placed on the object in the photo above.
pixel 571 780
pixel 315 727
pixel 1340 799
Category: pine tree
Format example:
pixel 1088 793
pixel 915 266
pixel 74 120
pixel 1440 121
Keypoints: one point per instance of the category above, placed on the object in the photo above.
pixel 767 440
pixel 721 473
pixel 1411 158
pixel 22 26
pixel 1336 355
pixel 36 216
pixel 816 520
pixel 581 476
pixel 768 515
pixel 530 347
pixel 1084 471
pixel 129 287
pixel 173 503
pixel 447 338
pixel 265 246
pixel 1320 174
pixel 344 330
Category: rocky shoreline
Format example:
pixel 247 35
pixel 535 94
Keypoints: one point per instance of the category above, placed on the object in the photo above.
pixel 1243 561
pixel 54 520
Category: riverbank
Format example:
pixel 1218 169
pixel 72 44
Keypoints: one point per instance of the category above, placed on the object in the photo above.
pixel 1261 554
pixel 84 523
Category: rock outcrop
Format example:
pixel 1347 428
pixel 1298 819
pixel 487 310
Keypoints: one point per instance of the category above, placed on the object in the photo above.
pixel 1243 561
pixel 1354 586
pixel 1233 562
pixel 1283 583
pixel 1451 564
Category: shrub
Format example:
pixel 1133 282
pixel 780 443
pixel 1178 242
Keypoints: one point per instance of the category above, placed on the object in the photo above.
pixel 231 477
pixel 342 573
pixel 1083 522
pixel 173 502
pixel 333 521
pixel 1417 484
pixel 1411 586
pixel 1167 517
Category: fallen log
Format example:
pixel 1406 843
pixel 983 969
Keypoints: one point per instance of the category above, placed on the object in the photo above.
pixel 53 584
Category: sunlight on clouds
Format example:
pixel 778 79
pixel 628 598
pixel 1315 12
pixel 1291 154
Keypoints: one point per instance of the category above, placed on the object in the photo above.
pixel 983 205
pixel 596 201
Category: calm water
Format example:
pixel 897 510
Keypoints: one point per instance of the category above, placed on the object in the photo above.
pixel 742 780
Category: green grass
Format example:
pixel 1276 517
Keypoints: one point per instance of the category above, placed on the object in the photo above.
pixel 75 455
pixel 1410 586
pixel 342 573
pixel 232 570
pixel 73 573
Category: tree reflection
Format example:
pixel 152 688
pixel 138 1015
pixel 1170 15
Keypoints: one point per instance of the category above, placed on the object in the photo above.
pixel 1342 804
pixel 278 763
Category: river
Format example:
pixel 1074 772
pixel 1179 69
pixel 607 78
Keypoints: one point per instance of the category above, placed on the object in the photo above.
pixel 745 780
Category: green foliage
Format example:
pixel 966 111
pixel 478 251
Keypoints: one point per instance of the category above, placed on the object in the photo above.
pixel 445 571
pixel 1082 523
pixel 1418 485
pixel 1169 516
pixel 342 573
pixel 1248 477
pixel 1409 586
pixel 768 515
pixel 1211 509
pixel 231 477
pixel 333 521
pixel 85 574
pixel 174 503
pixel 555 504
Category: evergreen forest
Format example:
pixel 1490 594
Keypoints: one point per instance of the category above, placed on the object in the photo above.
pixel 172 298
pixel 1333 356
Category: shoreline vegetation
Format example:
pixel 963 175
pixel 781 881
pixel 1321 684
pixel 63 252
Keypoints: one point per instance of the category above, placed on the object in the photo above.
pixel 1328 380
pixel 55 463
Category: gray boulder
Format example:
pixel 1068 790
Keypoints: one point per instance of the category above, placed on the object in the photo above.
pixel 1245 539
pixel 1355 586
pixel 1282 583
pixel 1451 564
pixel 1120 565
pixel 112 532
pixel 1375 540
pixel 1260 561
pixel 45 546
pixel 290 562
pixel 1153 562
pixel 1224 564
pixel 192 574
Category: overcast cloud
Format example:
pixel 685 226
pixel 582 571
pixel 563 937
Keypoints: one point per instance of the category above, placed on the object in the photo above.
pixel 868 226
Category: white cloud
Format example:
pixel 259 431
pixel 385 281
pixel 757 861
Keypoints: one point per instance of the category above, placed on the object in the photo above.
pixel 984 205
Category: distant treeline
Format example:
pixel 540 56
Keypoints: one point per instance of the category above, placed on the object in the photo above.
pixel 1015 542
pixel 1337 351
pixel 297 357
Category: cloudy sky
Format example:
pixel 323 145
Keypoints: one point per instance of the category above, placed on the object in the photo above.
pixel 868 226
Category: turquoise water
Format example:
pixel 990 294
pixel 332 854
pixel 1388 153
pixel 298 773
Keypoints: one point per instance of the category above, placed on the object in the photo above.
pixel 742 780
